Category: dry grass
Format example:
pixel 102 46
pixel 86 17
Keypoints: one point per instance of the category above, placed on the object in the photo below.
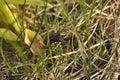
pixel 91 51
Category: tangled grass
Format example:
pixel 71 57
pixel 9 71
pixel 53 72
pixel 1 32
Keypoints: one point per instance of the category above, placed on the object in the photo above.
pixel 91 51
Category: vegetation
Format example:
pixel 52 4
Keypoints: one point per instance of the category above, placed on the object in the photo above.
pixel 90 29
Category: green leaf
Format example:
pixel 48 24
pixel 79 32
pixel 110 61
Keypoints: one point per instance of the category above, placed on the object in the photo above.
pixel 7 17
pixel 8 35
pixel 33 2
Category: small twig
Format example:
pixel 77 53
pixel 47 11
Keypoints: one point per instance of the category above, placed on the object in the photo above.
pixel 74 52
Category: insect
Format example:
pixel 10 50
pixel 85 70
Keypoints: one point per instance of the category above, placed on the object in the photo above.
pixel 55 37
